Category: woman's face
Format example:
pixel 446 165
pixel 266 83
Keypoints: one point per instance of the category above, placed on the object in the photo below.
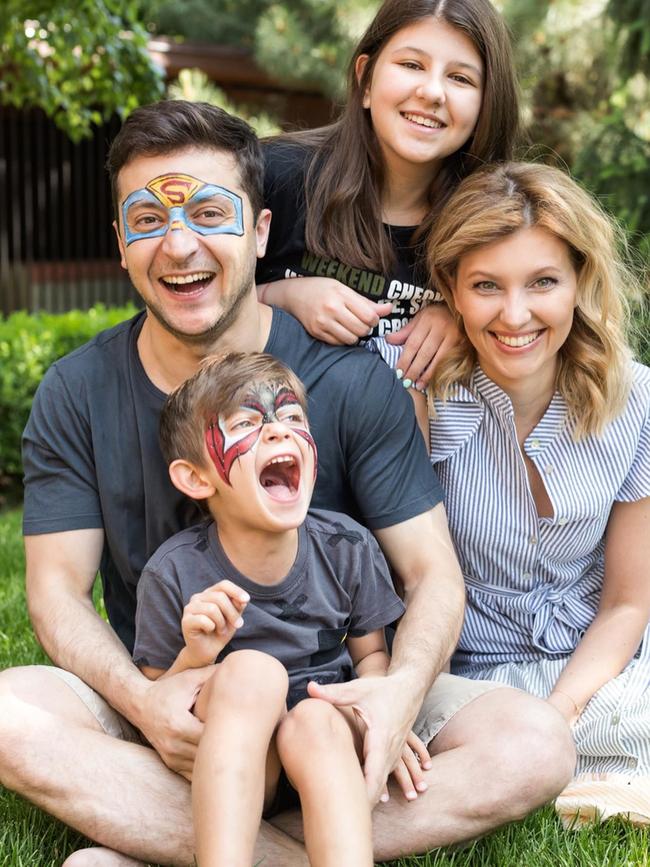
pixel 425 93
pixel 517 297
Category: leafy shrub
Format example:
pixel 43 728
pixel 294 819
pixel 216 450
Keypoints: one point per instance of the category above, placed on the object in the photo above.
pixel 29 343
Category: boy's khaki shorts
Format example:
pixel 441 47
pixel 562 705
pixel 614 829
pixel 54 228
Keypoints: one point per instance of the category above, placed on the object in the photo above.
pixel 447 696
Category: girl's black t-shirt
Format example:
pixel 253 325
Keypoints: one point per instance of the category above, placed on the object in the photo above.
pixel 288 256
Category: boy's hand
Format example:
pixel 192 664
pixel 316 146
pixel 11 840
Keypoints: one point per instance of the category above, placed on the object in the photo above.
pixel 210 619
pixel 408 771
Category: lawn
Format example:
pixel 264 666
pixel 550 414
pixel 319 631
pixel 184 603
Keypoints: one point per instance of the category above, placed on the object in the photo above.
pixel 28 838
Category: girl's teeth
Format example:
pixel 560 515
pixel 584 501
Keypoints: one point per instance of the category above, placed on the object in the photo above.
pixel 523 340
pixel 423 121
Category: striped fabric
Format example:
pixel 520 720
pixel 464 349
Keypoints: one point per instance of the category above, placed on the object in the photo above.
pixel 533 584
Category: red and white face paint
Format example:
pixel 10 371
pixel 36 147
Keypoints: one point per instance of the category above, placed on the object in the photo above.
pixel 228 438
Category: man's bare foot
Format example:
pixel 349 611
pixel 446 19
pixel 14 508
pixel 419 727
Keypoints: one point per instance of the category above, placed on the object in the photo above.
pixel 98 856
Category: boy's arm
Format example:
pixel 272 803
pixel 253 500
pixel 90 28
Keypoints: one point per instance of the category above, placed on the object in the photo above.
pixel 209 621
pixel 369 653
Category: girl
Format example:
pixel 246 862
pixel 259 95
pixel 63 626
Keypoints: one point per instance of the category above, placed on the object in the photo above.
pixel 431 96
pixel 540 434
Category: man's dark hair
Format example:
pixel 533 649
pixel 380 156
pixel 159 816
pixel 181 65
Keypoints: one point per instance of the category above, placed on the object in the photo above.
pixel 175 124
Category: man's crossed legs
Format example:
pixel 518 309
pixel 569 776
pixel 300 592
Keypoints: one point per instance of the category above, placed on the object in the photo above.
pixel 498 754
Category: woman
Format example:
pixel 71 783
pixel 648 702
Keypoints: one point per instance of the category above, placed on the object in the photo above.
pixel 540 434
pixel 431 96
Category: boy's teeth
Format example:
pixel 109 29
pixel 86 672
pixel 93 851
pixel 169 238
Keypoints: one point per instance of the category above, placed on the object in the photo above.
pixel 424 121
pixel 523 340
pixel 188 278
pixel 281 460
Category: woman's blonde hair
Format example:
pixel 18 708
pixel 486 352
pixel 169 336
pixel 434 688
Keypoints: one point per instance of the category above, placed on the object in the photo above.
pixel 593 372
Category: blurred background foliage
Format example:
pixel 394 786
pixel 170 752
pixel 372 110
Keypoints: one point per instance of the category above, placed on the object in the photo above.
pixel 584 67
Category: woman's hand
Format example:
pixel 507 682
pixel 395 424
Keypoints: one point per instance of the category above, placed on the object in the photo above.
pixel 327 309
pixel 427 338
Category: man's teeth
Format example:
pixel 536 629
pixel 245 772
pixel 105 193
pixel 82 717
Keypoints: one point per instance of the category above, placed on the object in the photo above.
pixel 181 279
pixel 424 121
pixel 523 340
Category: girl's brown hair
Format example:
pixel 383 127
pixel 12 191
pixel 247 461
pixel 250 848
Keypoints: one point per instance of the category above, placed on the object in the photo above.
pixel 345 174
pixel 593 372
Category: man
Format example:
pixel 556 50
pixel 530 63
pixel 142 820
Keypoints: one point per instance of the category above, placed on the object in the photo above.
pixel 78 740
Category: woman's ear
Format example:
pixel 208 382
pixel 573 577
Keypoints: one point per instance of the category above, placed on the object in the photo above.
pixel 190 480
pixel 359 66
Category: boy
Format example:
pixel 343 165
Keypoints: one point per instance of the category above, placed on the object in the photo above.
pixel 277 598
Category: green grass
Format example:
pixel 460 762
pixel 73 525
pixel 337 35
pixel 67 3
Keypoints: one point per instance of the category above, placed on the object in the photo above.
pixel 29 838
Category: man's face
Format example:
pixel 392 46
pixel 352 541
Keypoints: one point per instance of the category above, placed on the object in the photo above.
pixel 187 238
pixel 265 460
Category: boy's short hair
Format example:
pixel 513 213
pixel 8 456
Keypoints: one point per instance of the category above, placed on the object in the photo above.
pixel 175 124
pixel 219 386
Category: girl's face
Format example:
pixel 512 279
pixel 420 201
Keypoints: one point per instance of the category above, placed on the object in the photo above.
pixel 425 93
pixel 517 298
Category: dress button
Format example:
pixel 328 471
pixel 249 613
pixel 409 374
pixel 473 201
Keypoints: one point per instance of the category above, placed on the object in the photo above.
pixel 533 540
pixel 562 521
pixel 534 444
pixel 527 576
pixel 548 469
pixel 616 719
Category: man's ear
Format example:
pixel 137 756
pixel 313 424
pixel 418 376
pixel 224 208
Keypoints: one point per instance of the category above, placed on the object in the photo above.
pixel 359 66
pixel 190 480
pixel 262 227
pixel 120 244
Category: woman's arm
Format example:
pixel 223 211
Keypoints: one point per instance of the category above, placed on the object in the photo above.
pixel 623 614
pixel 326 308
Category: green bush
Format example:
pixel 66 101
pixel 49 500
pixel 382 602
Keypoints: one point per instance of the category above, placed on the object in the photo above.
pixel 29 343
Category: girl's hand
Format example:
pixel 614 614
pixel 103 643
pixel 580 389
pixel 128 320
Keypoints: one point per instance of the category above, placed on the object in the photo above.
pixel 210 619
pixel 427 338
pixel 327 309
pixel 408 771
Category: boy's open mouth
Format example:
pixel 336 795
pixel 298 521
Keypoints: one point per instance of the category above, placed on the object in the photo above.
pixel 280 478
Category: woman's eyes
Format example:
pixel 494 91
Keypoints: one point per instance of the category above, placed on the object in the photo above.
pixel 545 283
pixel 486 286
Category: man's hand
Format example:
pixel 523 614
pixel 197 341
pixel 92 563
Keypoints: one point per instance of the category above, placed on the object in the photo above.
pixel 388 717
pixel 427 338
pixel 167 721
pixel 210 619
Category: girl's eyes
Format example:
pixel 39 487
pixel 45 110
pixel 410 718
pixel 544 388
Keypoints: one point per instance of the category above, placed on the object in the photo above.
pixel 411 64
pixel 461 79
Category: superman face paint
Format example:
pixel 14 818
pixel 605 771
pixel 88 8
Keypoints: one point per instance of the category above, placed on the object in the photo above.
pixel 230 438
pixel 174 202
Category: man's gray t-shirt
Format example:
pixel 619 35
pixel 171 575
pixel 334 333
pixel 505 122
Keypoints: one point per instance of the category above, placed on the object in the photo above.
pixel 339 585
pixel 92 457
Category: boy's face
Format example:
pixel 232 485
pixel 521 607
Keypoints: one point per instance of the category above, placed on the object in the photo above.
pixel 265 460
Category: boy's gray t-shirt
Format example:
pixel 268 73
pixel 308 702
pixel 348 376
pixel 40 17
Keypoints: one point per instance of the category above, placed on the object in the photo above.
pixel 339 585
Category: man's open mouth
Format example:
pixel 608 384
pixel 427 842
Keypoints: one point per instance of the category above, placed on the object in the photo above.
pixel 184 284
pixel 280 478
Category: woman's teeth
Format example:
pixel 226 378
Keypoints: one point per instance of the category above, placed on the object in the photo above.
pixel 522 340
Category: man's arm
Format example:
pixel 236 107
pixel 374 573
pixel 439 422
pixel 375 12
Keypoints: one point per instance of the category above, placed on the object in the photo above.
pixel 61 569
pixel 420 550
